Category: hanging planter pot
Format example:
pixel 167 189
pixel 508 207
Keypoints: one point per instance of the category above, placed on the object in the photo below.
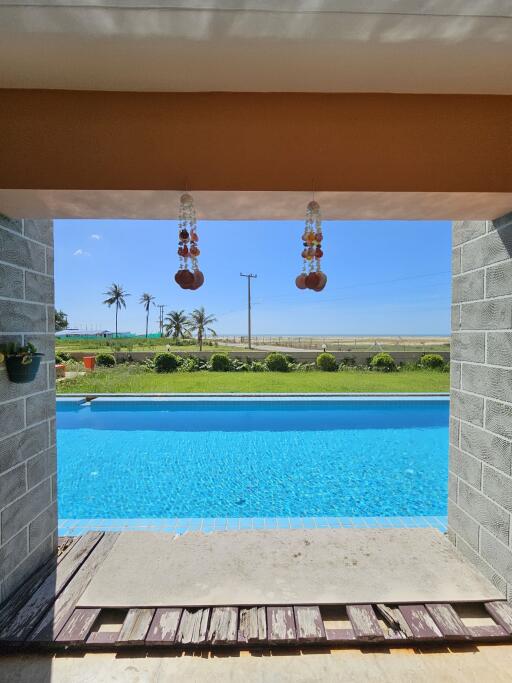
pixel 22 363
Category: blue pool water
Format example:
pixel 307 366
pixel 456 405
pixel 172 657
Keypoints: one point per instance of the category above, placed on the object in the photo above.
pixel 154 459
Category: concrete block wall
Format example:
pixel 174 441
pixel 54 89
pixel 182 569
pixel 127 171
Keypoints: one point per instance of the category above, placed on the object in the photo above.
pixel 28 508
pixel 480 471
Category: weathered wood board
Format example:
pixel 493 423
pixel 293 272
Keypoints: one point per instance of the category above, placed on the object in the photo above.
pixel 364 622
pixel 309 624
pixel 164 626
pixel 252 628
pixel 281 625
pixel 135 626
pixel 223 626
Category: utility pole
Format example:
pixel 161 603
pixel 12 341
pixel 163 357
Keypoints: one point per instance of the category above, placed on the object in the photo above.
pixel 248 276
pixel 161 318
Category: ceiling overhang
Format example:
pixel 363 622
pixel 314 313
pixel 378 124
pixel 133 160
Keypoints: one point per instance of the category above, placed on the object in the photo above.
pixel 398 46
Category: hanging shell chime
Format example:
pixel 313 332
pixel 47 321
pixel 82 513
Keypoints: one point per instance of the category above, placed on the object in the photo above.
pixel 187 246
pixel 312 276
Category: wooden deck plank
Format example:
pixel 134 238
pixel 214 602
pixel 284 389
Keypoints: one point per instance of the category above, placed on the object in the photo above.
pixel 135 627
pixel 78 626
pixel 340 635
pixel 23 622
pixel 309 623
pixel 281 625
pixel 57 615
pixel 398 627
pixel 252 628
pixel 448 621
pixel 223 626
pixel 364 622
pixel 420 622
pixel 487 632
pixel 501 612
pixel 193 628
pixel 164 626
pixel 98 639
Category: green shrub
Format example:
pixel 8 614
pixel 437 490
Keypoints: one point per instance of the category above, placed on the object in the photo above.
pixel 220 362
pixel 165 362
pixel 432 361
pixel 190 364
pixel 276 362
pixel 326 362
pixel 105 360
pixel 258 366
pixel 348 362
pixel 383 361
pixel 58 359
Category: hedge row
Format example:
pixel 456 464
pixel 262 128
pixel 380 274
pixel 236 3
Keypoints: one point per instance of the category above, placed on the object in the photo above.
pixel 274 362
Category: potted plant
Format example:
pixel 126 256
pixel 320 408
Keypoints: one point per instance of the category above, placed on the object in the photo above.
pixel 22 362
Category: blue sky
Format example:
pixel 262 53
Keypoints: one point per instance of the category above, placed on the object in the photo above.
pixel 384 277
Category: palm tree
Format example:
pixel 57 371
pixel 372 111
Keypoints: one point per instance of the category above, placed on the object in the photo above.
pixel 115 296
pixel 177 325
pixel 147 299
pixel 200 322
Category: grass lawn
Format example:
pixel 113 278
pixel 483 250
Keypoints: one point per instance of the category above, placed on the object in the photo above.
pixel 131 379
pixel 93 346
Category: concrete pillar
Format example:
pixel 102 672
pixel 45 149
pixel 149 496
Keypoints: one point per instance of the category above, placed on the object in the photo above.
pixel 480 481
pixel 28 508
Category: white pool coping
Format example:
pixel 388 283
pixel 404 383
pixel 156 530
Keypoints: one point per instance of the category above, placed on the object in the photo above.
pixel 260 397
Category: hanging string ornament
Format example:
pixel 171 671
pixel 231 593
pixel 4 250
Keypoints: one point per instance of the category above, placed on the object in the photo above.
pixel 312 276
pixel 187 246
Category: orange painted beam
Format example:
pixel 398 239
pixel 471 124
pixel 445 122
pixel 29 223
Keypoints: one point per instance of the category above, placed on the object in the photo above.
pixel 255 141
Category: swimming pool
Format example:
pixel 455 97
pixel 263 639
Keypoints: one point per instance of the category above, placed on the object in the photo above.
pixel 245 458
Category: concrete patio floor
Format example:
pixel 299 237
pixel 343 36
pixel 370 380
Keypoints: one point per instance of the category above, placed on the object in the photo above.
pixel 320 566
pixel 462 664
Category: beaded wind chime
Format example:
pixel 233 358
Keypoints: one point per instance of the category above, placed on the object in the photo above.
pixel 311 276
pixel 187 246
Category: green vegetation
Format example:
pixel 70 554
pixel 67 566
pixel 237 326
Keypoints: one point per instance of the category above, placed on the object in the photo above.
pixel 165 362
pixel 326 362
pixel 220 362
pixel 432 361
pixel 200 323
pixel 131 344
pixel 116 297
pixel 61 321
pixel 105 360
pixel 383 361
pixel 136 378
pixel 146 300
pixel 277 362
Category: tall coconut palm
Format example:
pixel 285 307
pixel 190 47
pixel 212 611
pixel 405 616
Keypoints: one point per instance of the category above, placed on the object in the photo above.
pixel 146 300
pixel 177 325
pixel 199 322
pixel 116 297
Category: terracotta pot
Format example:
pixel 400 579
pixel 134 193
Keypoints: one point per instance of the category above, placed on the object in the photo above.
pixel 300 281
pixel 312 280
pixel 322 282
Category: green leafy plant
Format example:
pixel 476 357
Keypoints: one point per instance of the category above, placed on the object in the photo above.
pixel 165 362
pixel 383 361
pixel 432 361
pixel 116 297
pixel 276 362
pixel 105 360
pixel 15 350
pixel 326 362
pixel 220 362
pixel 200 322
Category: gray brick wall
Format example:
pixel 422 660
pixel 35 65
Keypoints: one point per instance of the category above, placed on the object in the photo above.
pixel 28 514
pixel 480 479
